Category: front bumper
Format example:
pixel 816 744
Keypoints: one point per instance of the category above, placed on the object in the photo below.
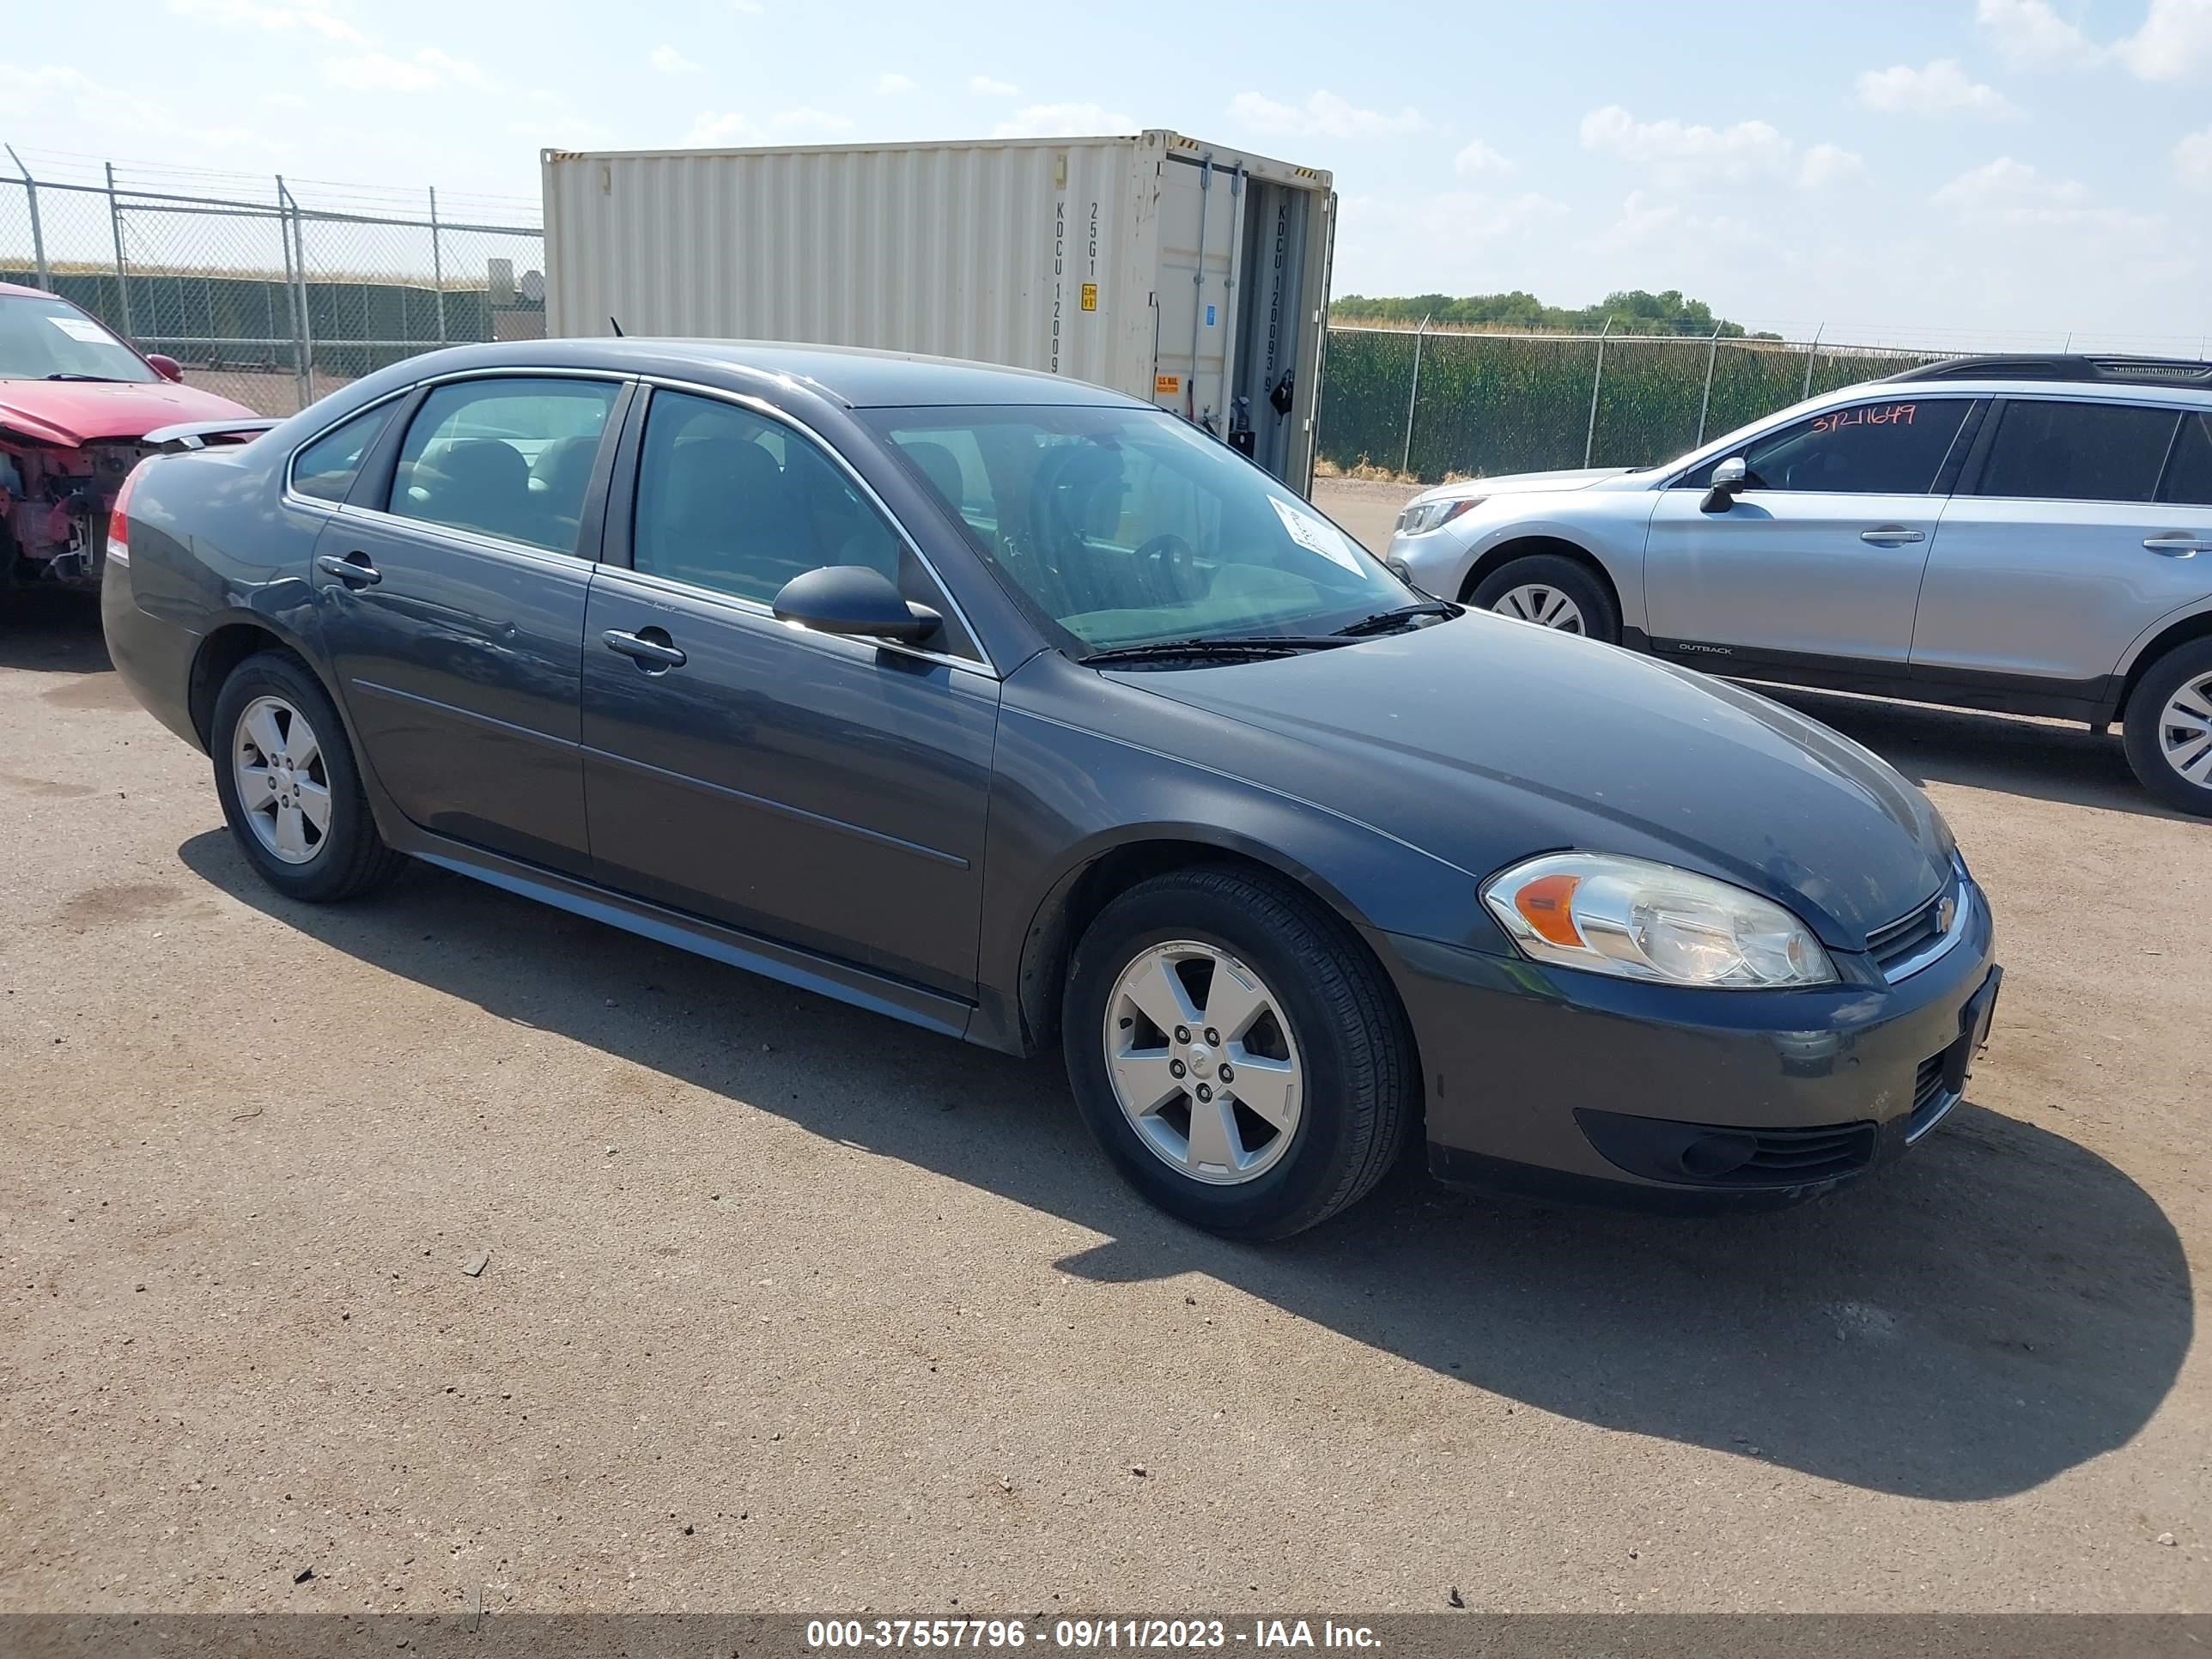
pixel 1568 1084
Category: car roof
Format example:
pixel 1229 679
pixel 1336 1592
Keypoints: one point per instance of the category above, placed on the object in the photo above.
pixel 851 376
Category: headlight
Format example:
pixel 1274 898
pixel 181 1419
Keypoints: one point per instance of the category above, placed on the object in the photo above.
pixel 1422 517
pixel 1638 919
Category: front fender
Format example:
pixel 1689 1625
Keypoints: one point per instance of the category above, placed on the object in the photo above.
pixel 1066 796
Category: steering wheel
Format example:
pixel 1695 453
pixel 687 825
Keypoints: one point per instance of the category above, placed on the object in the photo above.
pixel 1167 566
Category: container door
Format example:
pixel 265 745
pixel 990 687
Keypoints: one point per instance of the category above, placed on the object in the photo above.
pixel 1200 229
pixel 1264 410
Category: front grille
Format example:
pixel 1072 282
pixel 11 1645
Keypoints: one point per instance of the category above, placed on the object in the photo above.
pixel 1896 947
pixel 1790 1156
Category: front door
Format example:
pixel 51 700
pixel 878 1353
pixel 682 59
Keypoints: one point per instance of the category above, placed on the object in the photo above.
pixel 1821 553
pixel 827 792
pixel 2090 521
pixel 452 611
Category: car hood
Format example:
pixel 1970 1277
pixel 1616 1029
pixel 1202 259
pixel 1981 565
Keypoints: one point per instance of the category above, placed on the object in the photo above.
pixel 1484 741
pixel 1513 483
pixel 81 412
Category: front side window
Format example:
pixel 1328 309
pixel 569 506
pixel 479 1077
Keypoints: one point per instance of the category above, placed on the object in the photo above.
pixel 2048 450
pixel 43 338
pixel 1894 447
pixel 326 468
pixel 1126 526
pixel 733 501
pixel 510 459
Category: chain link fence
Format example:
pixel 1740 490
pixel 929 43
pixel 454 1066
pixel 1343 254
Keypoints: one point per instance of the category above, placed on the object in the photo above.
pixel 274 296
pixel 1433 405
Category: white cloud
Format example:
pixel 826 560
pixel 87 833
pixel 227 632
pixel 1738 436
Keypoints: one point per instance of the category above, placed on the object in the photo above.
pixel 1323 113
pixel 428 69
pixel 68 102
pixel 890 83
pixel 1470 242
pixel 2174 43
pixel 1065 121
pixel 990 88
pixel 788 126
pixel 2010 192
pixel 2193 160
pixel 1691 155
pixel 669 60
pixel 1829 164
pixel 2029 32
pixel 1477 159
pixel 314 15
pixel 1941 88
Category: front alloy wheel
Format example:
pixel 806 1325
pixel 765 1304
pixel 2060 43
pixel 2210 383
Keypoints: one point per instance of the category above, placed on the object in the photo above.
pixel 1203 1062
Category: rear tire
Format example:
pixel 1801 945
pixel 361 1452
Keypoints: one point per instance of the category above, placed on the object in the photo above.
pixel 1330 1085
pixel 2169 733
pixel 1553 591
pixel 307 828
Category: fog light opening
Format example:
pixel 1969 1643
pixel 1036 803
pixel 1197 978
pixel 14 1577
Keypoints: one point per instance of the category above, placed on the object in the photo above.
pixel 1712 1155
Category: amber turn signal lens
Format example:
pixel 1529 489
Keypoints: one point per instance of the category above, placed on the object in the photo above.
pixel 1546 905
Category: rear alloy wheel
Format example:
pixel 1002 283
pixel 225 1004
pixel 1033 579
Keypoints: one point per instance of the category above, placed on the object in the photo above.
pixel 1552 592
pixel 288 785
pixel 2168 734
pixel 1236 1051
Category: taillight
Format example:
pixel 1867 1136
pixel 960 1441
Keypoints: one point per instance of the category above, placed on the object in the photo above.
pixel 118 519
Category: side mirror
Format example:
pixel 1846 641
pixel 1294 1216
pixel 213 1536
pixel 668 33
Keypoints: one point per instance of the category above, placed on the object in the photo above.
pixel 854 599
pixel 165 366
pixel 1729 477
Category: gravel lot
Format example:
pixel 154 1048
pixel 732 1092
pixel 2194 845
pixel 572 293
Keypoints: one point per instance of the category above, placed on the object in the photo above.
pixel 790 1307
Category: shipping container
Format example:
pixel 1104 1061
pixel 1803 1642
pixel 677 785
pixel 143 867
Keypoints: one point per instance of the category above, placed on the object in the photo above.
pixel 1188 274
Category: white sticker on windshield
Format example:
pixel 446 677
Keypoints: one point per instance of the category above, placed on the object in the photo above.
pixel 1317 535
pixel 81 328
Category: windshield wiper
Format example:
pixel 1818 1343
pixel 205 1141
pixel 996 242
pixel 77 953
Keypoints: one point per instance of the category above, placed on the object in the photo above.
pixel 1253 645
pixel 107 379
pixel 1381 621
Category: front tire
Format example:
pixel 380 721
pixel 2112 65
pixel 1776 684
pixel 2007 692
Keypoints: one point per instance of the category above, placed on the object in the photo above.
pixel 288 785
pixel 1236 1051
pixel 1553 592
pixel 2168 733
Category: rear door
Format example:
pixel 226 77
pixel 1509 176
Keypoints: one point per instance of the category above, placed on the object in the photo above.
pixel 2086 521
pixel 1820 556
pixel 451 606
pixel 827 792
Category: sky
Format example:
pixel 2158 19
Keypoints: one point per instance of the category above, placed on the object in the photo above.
pixel 1945 172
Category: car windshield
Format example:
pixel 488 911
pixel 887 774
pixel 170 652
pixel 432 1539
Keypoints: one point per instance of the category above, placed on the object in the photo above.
pixel 43 338
pixel 1124 527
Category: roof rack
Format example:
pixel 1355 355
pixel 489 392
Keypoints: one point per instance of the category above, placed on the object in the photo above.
pixel 2062 366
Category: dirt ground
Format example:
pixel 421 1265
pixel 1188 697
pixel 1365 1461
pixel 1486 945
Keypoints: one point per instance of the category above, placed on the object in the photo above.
pixel 789 1307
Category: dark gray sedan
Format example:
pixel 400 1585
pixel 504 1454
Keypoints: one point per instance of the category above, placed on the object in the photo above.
pixel 1032 714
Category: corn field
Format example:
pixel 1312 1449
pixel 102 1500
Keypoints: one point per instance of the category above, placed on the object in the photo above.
pixel 1432 404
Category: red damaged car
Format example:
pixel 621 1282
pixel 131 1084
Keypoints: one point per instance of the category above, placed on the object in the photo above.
pixel 76 406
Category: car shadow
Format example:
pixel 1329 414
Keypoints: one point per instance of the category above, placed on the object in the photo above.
pixel 52 632
pixel 1998 1309
pixel 2045 760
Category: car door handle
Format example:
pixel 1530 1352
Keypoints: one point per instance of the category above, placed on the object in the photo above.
pixel 355 568
pixel 2178 546
pixel 647 653
pixel 1891 535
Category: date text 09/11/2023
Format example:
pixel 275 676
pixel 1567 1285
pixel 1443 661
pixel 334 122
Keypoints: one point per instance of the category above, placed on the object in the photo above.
pixel 829 1635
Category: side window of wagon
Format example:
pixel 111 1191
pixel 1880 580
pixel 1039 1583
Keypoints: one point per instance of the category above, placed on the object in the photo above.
pixel 1894 447
pixel 504 457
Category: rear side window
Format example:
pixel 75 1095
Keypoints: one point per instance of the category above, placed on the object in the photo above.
pixel 326 468
pixel 2046 450
pixel 2189 470
pixel 510 459
pixel 1894 447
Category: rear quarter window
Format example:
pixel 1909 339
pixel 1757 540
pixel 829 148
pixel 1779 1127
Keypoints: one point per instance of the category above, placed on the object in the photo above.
pixel 2189 469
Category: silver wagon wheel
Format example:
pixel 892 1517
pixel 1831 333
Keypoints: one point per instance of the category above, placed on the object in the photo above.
pixel 283 787
pixel 1546 606
pixel 1203 1063
pixel 2184 731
